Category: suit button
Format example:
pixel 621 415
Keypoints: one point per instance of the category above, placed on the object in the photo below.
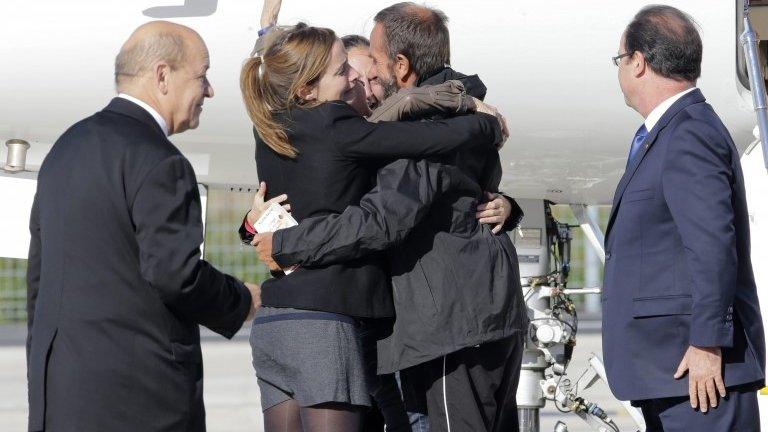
pixel 607 255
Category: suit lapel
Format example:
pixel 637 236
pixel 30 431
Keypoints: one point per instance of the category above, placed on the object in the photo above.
pixel 130 109
pixel 689 99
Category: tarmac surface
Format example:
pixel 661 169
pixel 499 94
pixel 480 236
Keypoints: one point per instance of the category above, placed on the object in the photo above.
pixel 232 395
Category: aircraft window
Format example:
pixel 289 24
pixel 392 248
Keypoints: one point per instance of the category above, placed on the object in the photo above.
pixel 759 20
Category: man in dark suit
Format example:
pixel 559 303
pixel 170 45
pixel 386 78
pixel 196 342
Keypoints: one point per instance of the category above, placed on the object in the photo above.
pixel 682 332
pixel 116 286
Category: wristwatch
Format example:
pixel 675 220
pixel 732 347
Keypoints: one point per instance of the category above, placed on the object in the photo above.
pixel 246 231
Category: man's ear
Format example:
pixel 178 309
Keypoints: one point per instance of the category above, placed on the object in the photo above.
pixel 161 75
pixel 402 68
pixel 307 92
pixel 639 65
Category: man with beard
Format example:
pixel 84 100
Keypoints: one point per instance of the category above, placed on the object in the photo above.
pixel 458 336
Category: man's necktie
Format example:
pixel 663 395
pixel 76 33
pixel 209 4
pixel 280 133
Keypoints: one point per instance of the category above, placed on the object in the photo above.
pixel 637 141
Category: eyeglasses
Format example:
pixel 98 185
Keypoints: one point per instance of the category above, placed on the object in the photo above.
pixel 620 56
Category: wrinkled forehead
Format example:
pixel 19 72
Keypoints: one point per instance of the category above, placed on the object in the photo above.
pixel 359 51
pixel 198 56
pixel 378 39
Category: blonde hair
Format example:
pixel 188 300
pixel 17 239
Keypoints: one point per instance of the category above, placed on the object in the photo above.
pixel 294 57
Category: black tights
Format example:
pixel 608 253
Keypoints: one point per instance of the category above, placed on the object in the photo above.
pixel 328 417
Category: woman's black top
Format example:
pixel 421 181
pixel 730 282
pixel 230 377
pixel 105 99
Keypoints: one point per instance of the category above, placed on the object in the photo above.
pixel 338 155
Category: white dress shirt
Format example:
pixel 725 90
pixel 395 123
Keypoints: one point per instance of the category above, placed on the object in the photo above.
pixel 662 108
pixel 155 115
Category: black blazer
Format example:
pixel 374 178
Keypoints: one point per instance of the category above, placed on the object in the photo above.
pixel 116 284
pixel 339 152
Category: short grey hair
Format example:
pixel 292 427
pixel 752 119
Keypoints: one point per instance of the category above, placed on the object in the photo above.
pixel 419 33
pixel 136 59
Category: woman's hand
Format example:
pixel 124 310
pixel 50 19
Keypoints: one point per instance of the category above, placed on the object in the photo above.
pixel 259 205
pixel 483 107
pixel 495 211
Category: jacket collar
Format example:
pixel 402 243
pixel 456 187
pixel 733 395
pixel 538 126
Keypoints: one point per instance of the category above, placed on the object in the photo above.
pixel 688 99
pixel 125 107
pixel 473 85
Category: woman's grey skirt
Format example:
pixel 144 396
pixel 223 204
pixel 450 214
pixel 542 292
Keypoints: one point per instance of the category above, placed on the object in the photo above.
pixel 312 357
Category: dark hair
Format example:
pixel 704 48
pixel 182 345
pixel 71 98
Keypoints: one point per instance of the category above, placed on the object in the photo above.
pixel 355 41
pixel 669 39
pixel 419 33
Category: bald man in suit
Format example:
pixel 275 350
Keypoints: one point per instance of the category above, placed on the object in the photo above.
pixel 116 285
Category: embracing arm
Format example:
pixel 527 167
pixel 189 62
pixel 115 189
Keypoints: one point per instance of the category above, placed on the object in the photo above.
pixel 404 192
pixel 425 101
pixel 357 138
pixel 502 211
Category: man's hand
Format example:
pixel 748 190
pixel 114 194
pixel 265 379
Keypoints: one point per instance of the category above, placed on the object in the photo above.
pixel 255 298
pixel 259 205
pixel 705 379
pixel 483 107
pixel 495 211
pixel 263 244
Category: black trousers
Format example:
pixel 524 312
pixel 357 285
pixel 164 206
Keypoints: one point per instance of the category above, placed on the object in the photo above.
pixel 737 412
pixel 388 407
pixel 470 390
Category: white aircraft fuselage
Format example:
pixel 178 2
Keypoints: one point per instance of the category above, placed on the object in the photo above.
pixel 546 65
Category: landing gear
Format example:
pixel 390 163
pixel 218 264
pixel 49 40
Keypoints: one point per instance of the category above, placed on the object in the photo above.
pixel 544 247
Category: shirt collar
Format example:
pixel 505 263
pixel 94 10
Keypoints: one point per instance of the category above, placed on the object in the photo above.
pixel 662 108
pixel 155 115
